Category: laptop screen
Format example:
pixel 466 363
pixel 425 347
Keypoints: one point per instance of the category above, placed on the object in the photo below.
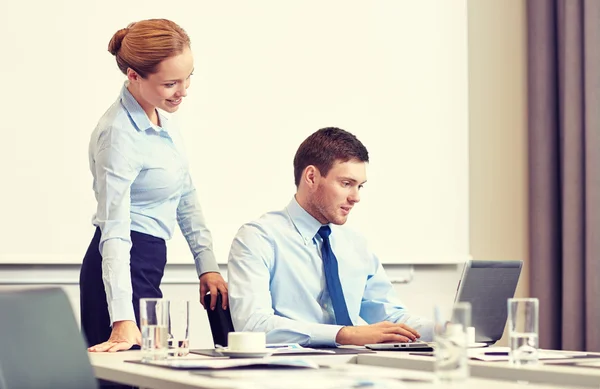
pixel 487 285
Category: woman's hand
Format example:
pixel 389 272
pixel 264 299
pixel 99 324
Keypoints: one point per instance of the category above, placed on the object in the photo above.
pixel 213 282
pixel 124 334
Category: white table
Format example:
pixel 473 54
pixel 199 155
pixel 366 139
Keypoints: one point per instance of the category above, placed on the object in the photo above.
pixel 112 367
pixel 544 374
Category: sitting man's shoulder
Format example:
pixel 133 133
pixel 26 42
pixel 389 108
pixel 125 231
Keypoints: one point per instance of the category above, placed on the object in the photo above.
pixel 269 224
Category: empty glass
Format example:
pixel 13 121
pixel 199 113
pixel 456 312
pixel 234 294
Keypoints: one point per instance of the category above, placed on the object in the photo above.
pixel 179 327
pixel 451 338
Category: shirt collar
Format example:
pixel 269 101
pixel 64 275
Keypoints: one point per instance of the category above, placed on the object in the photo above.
pixel 305 223
pixel 138 115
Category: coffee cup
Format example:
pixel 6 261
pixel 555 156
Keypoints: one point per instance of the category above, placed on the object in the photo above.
pixel 246 341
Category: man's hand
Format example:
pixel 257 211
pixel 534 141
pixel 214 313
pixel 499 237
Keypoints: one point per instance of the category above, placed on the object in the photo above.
pixel 384 332
pixel 213 282
pixel 124 334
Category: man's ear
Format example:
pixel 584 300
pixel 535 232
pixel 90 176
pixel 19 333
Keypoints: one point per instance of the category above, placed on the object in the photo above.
pixel 311 176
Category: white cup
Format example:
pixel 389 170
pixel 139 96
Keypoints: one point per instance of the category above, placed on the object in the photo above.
pixel 246 341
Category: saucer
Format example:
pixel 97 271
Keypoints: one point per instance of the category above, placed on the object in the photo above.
pixel 245 354
pixel 477 345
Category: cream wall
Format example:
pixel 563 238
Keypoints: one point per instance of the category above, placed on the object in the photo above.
pixel 498 132
pixel 497 153
pixel 267 74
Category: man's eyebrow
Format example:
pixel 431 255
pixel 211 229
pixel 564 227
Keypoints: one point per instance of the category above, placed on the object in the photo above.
pixel 352 180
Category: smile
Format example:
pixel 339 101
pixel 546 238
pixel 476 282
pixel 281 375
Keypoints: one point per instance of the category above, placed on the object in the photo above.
pixel 175 102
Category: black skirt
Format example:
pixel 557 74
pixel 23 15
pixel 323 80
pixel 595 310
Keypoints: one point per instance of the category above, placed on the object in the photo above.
pixel 147 264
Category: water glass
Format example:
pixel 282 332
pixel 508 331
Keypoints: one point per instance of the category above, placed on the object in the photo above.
pixel 154 323
pixel 179 327
pixel 451 343
pixel 523 330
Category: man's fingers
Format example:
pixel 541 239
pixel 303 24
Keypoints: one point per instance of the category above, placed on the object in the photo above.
pixel 401 331
pixel 395 338
pixel 408 334
pixel 412 330
pixel 394 326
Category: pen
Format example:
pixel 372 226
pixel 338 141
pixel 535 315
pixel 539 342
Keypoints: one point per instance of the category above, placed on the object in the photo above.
pixel 496 353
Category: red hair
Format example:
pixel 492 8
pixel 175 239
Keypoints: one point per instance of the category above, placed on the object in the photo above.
pixel 144 44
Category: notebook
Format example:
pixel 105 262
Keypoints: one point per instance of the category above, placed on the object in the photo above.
pixel 40 343
pixel 487 285
pixel 411 346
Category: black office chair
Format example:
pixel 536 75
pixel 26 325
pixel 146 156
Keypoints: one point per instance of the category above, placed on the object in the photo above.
pixel 220 321
pixel 40 343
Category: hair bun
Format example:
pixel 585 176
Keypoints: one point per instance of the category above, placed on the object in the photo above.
pixel 115 43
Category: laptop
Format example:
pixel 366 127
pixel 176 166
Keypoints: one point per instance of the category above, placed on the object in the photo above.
pixel 411 346
pixel 40 343
pixel 486 285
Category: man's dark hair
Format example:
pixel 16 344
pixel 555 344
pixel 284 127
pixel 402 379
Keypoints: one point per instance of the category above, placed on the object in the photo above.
pixel 326 146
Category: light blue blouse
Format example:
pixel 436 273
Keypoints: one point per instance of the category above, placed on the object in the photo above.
pixel 142 183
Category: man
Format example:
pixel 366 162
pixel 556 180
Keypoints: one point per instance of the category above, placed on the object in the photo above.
pixel 301 277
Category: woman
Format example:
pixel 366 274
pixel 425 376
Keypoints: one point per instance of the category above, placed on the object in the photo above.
pixel 143 188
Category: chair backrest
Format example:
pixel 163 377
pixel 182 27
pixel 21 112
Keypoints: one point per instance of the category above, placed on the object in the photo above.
pixel 40 343
pixel 220 321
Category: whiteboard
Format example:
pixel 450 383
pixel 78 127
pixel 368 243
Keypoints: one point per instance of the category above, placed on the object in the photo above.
pixel 267 74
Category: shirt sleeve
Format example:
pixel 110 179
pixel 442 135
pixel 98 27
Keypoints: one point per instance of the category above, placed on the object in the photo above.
pixel 115 172
pixel 380 303
pixel 193 226
pixel 250 259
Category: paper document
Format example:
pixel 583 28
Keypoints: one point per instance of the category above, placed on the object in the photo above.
pixel 331 377
pixel 491 354
pixel 589 364
pixel 217 364
pixel 295 348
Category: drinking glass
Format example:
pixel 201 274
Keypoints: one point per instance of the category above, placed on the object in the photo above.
pixel 451 342
pixel 179 328
pixel 523 330
pixel 154 321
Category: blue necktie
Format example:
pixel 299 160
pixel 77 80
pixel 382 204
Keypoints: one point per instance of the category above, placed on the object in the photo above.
pixel 332 278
